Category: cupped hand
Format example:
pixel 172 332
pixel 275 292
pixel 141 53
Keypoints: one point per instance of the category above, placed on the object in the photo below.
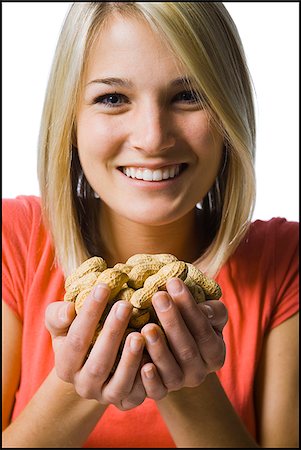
pixel 192 346
pixel 90 371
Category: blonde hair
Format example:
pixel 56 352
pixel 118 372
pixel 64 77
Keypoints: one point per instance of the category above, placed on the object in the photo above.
pixel 205 39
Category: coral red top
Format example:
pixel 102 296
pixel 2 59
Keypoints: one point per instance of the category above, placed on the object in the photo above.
pixel 260 289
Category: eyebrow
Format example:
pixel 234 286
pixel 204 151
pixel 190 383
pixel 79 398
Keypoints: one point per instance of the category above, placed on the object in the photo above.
pixel 124 82
pixel 112 81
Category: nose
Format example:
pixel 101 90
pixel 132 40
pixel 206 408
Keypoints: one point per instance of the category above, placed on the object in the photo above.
pixel 152 131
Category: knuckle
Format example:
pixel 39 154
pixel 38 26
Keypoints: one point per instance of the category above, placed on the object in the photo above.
pixel 97 370
pixel 169 322
pixel 157 394
pixel 204 336
pixel 113 331
pixel 135 399
pixel 64 374
pixel 196 379
pixel 116 395
pixel 188 354
pixel 76 342
pixel 85 391
pixel 219 361
pixel 222 314
pixel 175 383
pixel 217 356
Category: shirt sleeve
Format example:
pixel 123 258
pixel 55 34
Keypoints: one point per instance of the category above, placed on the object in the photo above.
pixel 16 235
pixel 286 271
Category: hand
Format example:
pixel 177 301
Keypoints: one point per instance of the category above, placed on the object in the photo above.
pixel 193 345
pixel 91 376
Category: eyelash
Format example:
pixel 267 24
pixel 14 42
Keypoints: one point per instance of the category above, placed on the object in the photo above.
pixel 103 99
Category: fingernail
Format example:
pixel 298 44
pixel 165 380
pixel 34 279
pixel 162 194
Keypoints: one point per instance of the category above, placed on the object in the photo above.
pixel 208 311
pixel 64 313
pixel 99 291
pixel 152 335
pixel 149 372
pixel 136 344
pixel 175 286
pixel 162 302
pixel 122 311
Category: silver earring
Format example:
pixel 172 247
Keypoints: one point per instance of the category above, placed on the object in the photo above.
pixel 79 185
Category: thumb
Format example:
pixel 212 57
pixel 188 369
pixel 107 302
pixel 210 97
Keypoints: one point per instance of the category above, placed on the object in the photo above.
pixel 58 317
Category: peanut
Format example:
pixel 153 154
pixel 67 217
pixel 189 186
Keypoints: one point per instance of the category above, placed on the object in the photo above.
pixel 141 272
pixel 136 281
pixel 123 267
pixel 139 318
pixel 210 287
pixel 142 298
pixel 96 263
pixel 115 280
pixel 80 284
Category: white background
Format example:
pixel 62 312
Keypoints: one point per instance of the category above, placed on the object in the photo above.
pixel 269 31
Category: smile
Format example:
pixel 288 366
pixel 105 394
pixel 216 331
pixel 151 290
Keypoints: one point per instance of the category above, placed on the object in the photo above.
pixel 141 173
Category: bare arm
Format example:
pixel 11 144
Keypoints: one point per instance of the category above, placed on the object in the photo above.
pixel 198 412
pixel 56 416
pixel 277 387
pixel 203 417
pixel 196 409
pixel 72 399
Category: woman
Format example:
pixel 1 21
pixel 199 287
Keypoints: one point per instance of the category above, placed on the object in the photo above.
pixel 149 113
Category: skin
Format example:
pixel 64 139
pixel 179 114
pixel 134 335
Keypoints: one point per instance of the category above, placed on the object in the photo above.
pixel 150 128
pixel 145 123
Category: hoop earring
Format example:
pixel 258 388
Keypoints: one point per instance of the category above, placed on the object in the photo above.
pixel 226 150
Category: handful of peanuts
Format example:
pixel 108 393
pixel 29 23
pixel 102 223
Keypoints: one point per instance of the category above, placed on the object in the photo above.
pixel 136 281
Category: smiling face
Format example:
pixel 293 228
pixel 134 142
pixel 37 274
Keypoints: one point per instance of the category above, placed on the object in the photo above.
pixel 145 144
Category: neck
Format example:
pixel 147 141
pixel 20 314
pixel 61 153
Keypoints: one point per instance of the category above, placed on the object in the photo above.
pixel 122 238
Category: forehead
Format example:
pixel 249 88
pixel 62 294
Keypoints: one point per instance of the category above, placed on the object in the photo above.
pixel 130 45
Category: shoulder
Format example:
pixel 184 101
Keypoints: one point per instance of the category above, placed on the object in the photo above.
pixel 27 250
pixel 264 270
pixel 22 204
pixel 22 222
pixel 21 211
pixel 276 239
pixel 267 231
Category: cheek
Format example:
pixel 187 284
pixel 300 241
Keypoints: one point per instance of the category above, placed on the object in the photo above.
pixel 206 143
pixel 96 138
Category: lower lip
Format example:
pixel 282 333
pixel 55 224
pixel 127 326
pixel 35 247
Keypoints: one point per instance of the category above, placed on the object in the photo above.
pixel 152 185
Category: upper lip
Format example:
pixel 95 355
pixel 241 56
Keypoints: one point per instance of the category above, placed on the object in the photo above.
pixel 152 166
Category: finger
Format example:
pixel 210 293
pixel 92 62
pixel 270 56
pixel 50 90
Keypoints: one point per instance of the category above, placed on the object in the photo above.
pixel 152 382
pixel 101 359
pixel 161 355
pixel 72 353
pixel 58 317
pixel 178 334
pixel 121 384
pixel 210 344
pixel 216 312
pixel 136 396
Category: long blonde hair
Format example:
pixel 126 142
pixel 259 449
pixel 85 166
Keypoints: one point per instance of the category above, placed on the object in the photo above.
pixel 205 39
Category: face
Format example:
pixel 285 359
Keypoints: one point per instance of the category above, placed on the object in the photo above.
pixel 145 144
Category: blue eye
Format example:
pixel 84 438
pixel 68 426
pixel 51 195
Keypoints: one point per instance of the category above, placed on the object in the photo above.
pixel 111 100
pixel 187 97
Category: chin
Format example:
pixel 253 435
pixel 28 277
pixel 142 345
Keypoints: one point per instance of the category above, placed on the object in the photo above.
pixel 149 217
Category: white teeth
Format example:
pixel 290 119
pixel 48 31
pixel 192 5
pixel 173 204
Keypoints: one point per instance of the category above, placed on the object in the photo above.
pixel 147 175
pixel 138 174
pixel 152 175
pixel 157 175
pixel 165 174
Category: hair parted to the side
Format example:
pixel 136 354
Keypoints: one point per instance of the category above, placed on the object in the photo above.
pixel 205 39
